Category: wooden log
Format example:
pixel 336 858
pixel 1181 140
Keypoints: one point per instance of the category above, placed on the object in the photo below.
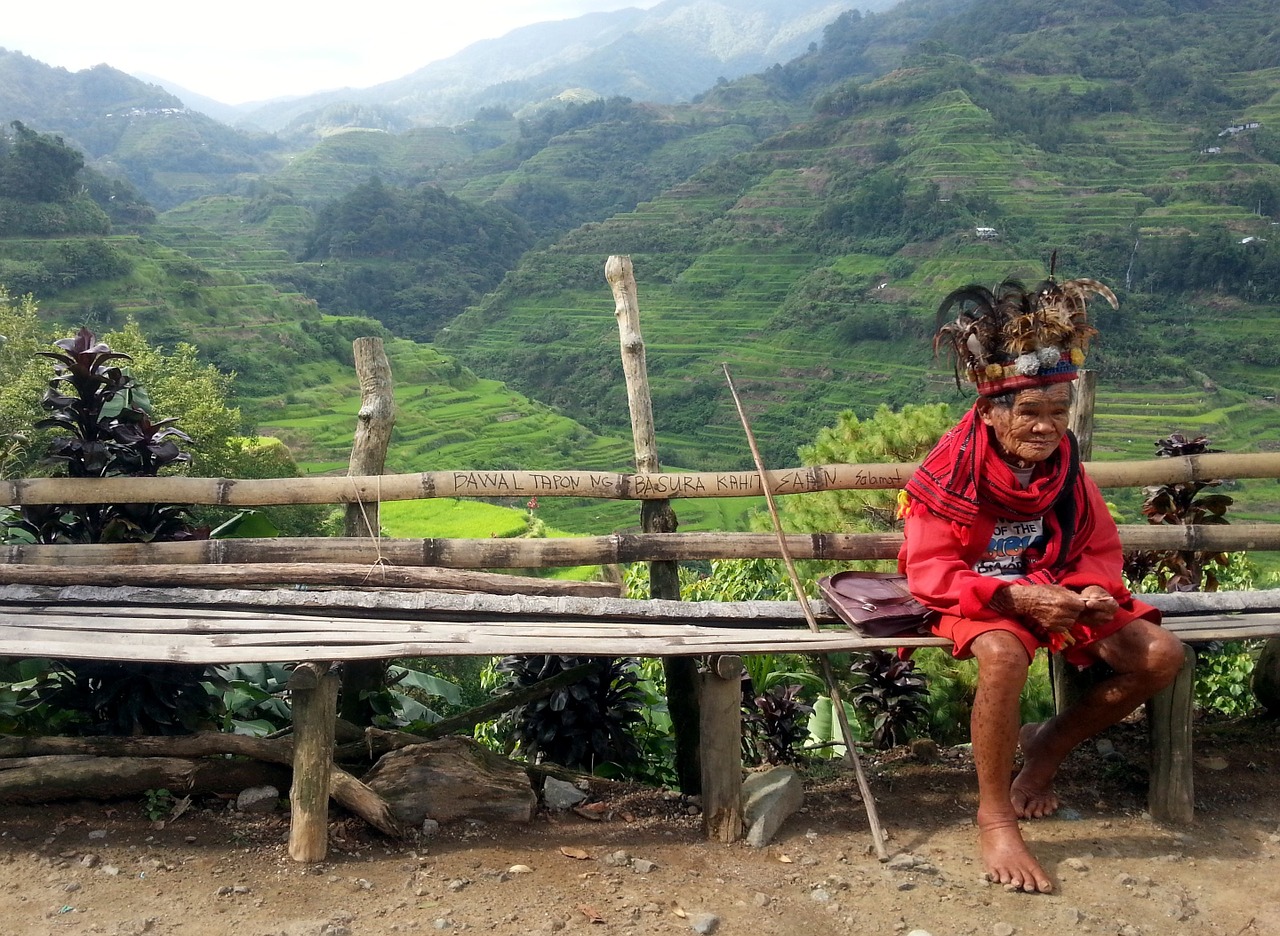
pixel 257 492
pixel 1080 421
pixel 1171 791
pixel 720 713
pixel 656 517
pixel 1266 677
pixel 329 575
pixel 354 614
pixel 374 423
pixel 315 697
pixel 1068 683
pixel 347 791
pixel 201 744
pixel 590 550
pixel 50 779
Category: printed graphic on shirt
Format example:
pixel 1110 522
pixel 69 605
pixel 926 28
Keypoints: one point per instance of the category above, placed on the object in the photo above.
pixel 1006 555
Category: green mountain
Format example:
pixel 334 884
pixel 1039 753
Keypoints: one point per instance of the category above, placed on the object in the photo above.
pixel 939 153
pixel 800 224
pixel 665 54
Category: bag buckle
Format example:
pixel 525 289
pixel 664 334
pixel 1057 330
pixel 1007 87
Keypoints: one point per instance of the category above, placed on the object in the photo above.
pixel 868 606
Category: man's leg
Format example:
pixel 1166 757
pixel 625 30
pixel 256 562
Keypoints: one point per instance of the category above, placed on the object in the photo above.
pixel 1002 672
pixel 1145 659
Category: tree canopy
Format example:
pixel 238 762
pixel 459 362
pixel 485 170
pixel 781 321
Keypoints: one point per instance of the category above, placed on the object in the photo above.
pixel 886 437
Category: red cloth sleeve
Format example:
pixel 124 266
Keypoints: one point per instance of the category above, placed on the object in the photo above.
pixel 938 558
pixel 939 566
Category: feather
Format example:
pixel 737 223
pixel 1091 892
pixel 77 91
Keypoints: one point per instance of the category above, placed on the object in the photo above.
pixel 1080 289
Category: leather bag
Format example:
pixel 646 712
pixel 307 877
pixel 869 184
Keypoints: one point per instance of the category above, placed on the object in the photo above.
pixel 877 604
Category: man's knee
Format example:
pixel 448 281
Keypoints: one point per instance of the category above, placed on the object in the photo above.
pixel 1000 651
pixel 1165 657
pixel 1145 650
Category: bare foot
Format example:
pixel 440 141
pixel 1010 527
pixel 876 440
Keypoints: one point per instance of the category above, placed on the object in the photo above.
pixel 1032 792
pixel 1007 859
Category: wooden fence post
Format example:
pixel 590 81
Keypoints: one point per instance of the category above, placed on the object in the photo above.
pixel 1068 683
pixel 720 711
pixel 374 423
pixel 1171 791
pixel 656 516
pixel 314 690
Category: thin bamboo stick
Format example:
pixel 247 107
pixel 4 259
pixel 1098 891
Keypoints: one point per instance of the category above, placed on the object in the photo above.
pixel 828 674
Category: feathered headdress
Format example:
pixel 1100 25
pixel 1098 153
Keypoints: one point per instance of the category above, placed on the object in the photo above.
pixel 1013 337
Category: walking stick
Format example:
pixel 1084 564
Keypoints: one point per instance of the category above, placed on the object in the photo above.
pixel 828 675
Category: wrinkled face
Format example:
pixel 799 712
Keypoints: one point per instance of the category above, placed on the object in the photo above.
pixel 1031 429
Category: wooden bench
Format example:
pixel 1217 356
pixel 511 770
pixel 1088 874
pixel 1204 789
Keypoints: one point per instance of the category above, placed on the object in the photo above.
pixel 288 625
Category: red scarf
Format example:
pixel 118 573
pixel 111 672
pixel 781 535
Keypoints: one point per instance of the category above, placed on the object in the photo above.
pixel 964 476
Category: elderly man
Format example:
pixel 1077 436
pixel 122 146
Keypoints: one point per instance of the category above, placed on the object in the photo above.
pixel 1012 546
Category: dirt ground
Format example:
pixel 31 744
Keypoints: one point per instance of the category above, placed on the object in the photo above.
pixel 90 867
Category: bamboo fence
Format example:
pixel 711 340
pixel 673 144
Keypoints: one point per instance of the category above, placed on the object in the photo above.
pixel 373 489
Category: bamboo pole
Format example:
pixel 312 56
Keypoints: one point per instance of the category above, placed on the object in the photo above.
pixel 240 575
pixel 261 492
pixel 539 553
pixel 656 517
pixel 828 675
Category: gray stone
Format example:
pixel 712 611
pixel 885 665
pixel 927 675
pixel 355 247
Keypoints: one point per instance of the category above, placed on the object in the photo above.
pixel 1077 864
pixel 1002 929
pixel 429 828
pixel 642 865
pixel 761 899
pixel 819 894
pixel 705 923
pixel 903 861
pixel 452 779
pixel 768 799
pixel 258 799
pixel 559 794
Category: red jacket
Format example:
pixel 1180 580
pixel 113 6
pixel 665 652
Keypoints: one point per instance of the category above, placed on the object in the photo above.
pixel 938 557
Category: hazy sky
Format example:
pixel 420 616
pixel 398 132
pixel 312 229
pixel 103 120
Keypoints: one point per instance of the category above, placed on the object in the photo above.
pixel 247 50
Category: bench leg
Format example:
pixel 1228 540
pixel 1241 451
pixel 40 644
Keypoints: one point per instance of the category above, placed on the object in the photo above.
pixel 720 728
pixel 314 688
pixel 1171 797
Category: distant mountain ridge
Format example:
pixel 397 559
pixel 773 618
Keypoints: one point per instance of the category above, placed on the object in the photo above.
pixel 671 52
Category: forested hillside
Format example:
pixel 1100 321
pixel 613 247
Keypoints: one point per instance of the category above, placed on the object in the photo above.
pixel 800 224
pixel 813 262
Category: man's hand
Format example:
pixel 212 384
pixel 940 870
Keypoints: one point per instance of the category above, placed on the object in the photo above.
pixel 1100 605
pixel 1052 607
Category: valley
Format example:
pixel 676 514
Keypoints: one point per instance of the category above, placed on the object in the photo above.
pixel 798 224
